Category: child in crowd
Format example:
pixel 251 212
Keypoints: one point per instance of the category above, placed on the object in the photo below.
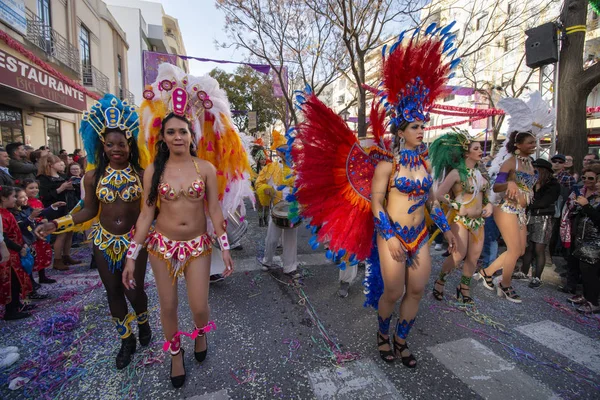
pixel 28 217
pixel 14 282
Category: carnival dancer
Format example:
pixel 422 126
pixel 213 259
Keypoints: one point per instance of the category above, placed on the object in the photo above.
pixel 268 173
pixel 348 194
pixel 183 114
pixel 14 282
pixel 464 189
pixel 515 177
pixel 276 182
pixel 113 194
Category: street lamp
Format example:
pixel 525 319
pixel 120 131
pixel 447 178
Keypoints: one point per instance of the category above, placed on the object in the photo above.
pixel 345 115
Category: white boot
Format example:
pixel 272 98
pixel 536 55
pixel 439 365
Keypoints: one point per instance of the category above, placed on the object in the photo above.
pixel 9 349
pixel 9 360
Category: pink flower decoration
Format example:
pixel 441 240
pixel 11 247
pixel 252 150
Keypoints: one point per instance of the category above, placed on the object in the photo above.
pixel 209 147
pixel 157 122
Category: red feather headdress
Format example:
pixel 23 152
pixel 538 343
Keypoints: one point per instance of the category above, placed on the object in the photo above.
pixel 415 75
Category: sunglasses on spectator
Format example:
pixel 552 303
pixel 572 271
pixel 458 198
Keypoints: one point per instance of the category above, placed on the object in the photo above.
pixel 558 161
pixel 589 178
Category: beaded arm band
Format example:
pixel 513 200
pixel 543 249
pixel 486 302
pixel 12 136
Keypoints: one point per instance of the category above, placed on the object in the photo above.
pixel 64 224
pixel 438 217
pixel 383 225
pixel 134 250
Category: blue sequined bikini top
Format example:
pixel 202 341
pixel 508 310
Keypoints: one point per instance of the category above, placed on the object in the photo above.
pixel 525 180
pixel 414 187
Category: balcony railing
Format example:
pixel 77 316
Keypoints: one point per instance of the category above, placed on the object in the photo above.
pixel 56 46
pixel 93 78
pixel 125 94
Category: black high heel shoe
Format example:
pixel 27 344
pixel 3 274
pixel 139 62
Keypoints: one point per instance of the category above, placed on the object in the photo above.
pixel 439 296
pixel 488 281
pixel 409 361
pixel 178 381
pixel 201 355
pixel 465 299
pixel 386 355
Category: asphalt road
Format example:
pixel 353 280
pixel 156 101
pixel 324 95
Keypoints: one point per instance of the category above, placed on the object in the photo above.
pixel 277 340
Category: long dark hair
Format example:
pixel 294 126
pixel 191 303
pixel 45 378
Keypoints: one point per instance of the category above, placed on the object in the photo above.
pixel 394 129
pixel 134 157
pixel 162 156
pixel 544 177
pixel 515 138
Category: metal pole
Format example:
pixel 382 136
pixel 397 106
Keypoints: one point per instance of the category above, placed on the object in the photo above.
pixel 541 90
pixel 554 103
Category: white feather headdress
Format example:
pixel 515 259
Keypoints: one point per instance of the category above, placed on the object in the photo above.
pixel 534 115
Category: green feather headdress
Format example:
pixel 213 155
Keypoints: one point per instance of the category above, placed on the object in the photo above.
pixel 448 152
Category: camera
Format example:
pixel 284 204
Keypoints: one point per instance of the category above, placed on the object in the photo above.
pixel 75 180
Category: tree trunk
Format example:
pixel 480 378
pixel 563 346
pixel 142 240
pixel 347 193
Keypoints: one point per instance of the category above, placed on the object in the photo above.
pixel 571 122
pixel 362 97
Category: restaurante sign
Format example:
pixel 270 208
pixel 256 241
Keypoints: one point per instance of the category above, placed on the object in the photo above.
pixel 22 76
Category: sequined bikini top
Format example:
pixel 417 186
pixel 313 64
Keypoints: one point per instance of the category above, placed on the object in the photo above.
pixel 474 182
pixel 195 191
pixel 414 187
pixel 526 181
pixel 119 183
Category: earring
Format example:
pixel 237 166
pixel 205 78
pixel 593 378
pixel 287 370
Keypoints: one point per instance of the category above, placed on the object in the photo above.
pixel 402 141
pixel 163 147
pixel 517 152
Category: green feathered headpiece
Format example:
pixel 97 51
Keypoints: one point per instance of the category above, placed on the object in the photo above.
pixel 448 152
pixel 595 5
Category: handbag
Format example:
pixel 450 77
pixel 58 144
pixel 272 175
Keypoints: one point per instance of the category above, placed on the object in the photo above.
pixel 27 262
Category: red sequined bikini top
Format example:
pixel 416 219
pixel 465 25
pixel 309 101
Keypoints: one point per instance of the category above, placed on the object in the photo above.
pixel 195 191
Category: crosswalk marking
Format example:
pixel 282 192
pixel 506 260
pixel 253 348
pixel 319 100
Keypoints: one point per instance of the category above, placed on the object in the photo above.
pixel 488 374
pixel 573 345
pixel 220 395
pixel 358 380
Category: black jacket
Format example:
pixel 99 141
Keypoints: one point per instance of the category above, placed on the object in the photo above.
pixel 22 169
pixel 545 198
pixel 6 179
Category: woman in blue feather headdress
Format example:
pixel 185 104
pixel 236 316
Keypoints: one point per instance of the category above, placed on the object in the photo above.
pixel 113 193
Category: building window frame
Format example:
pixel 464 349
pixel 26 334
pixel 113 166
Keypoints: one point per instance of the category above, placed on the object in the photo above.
pixel 53 135
pixel 11 122
pixel 120 75
pixel 44 8
pixel 85 54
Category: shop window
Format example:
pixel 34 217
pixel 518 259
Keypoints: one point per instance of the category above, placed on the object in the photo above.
pixel 53 135
pixel 11 125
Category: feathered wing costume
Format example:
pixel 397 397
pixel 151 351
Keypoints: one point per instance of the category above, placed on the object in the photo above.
pixel 334 173
pixel 533 115
pixel 217 141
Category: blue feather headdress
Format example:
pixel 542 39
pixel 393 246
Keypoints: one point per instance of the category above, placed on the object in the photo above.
pixel 107 113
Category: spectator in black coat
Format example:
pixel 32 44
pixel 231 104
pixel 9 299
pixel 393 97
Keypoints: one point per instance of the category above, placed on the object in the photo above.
pixel 55 187
pixel 541 221
pixel 20 166
pixel 6 178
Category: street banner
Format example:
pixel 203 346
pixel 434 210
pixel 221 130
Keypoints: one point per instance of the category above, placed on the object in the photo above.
pixel 278 91
pixel 252 120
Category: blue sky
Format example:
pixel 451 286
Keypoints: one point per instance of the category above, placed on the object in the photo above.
pixel 201 24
